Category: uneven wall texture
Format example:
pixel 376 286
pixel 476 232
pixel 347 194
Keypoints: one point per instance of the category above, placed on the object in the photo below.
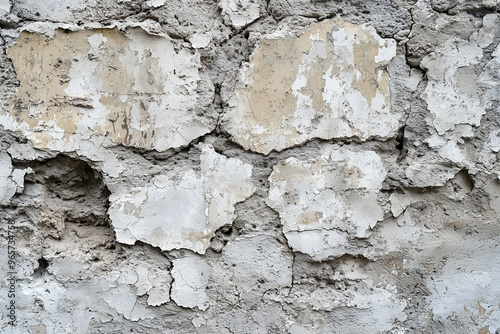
pixel 250 166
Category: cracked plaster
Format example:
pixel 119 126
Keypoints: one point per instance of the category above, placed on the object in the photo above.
pixel 360 195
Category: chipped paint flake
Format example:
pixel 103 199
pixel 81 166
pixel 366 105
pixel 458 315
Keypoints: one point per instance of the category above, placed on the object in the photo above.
pixel 330 82
pixel 11 179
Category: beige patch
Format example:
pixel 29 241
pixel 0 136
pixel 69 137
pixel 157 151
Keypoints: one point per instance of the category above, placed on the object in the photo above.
pixel 127 87
pixel 329 82
pixel 309 217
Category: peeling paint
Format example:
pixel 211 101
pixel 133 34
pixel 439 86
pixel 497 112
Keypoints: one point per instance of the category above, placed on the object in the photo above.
pixel 327 82
pixel 250 166
pixel 134 88
pixel 190 275
pixel 183 213
pixel 324 203
pixel 239 13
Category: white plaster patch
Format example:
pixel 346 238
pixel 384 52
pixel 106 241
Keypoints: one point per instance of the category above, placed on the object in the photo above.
pixel 448 145
pixel 133 88
pixel 53 10
pixel 200 40
pixel 430 174
pixel 155 3
pixel 370 307
pixel 239 13
pixel 190 274
pixel 122 299
pixel 7 185
pixel 451 93
pixel 183 212
pixel 99 300
pixel 370 310
pixel 486 35
pixel 464 294
pixel 251 269
pixel 145 278
pixel 330 82
pixel 11 179
pixel 4 8
pixel 457 101
pixel 324 202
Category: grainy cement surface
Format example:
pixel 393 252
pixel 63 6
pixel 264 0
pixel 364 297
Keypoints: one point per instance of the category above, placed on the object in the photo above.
pixel 250 166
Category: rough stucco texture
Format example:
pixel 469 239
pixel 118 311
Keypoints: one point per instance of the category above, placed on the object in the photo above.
pixel 249 166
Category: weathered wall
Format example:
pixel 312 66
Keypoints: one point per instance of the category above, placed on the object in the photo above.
pixel 250 166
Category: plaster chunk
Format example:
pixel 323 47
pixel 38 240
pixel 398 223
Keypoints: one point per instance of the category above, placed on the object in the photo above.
pixel 486 35
pixel 53 10
pixel 351 294
pixel 494 141
pixel 430 174
pixel 448 146
pixel 329 82
pixel 124 301
pixel 147 279
pixel 11 179
pixel 239 13
pixel 134 88
pixel 372 309
pixel 7 185
pixel 155 3
pixel 399 203
pixel 324 202
pixel 451 93
pixel 252 268
pixel 185 211
pixel 190 275
pixel 200 40
pixel 4 9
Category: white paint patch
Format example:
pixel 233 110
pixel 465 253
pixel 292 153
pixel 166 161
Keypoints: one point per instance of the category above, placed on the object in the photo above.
pixel 450 96
pixel 239 13
pixel 190 274
pixel 324 203
pixel 183 212
pixel 465 291
pixel 329 82
pixel 134 88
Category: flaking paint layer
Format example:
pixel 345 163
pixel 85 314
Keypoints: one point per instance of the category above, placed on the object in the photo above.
pixel 330 81
pixel 323 203
pixel 133 88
